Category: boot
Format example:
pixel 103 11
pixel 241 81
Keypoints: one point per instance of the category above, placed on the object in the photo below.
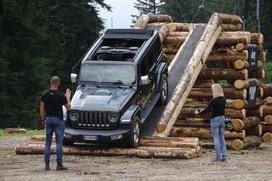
pixel 47 166
pixel 61 167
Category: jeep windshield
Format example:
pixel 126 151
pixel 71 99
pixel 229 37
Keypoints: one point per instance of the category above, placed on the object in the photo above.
pixel 108 73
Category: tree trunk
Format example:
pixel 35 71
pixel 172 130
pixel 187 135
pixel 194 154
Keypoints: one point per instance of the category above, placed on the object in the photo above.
pixel 223 74
pixel 170 142
pixel 142 152
pixel 203 133
pixel 233 38
pixel 255 131
pixel 14 130
pixel 232 27
pixel 232 113
pixel 246 123
pixel 228 56
pixel 256 38
pixel 236 104
pixel 229 93
pixel 248 142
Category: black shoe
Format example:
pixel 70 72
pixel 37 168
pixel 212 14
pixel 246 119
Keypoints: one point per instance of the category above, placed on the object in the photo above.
pixel 61 167
pixel 224 160
pixel 47 167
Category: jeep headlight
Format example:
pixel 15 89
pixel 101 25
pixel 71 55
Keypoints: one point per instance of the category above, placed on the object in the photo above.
pixel 113 117
pixel 74 115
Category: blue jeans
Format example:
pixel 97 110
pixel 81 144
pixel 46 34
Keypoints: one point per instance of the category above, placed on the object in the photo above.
pixel 53 124
pixel 217 127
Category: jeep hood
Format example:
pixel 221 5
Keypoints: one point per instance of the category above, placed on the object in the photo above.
pixel 101 99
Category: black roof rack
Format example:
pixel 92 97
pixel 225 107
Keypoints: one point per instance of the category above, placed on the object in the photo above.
pixel 128 34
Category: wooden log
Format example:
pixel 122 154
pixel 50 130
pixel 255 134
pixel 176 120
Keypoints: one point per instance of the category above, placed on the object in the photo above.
pixel 259 74
pixel 259 112
pixel 15 130
pixel 268 100
pixel 241 84
pixel 142 152
pixel 230 19
pixel 267 110
pixel 203 133
pixel 233 38
pixel 229 93
pixel 246 123
pixel 267 137
pixel 232 27
pixel 236 104
pixel 240 46
pixel 182 123
pixel 267 88
pixel 181 26
pixel 262 56
pixel 232 113
pixel 170 142
pixel 248 142
pixel 256 38
pixel 256 130
pixel 266 127
pixel 174 40
pixel 223 74
pixel 268 119
pixel 228 56
pixel 178 34
pixel 189 77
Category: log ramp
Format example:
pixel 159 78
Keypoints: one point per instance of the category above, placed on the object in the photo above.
pixel 199 55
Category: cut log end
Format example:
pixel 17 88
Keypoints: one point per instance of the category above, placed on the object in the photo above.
pixel 160 127
pixel 268 100
pixel 238 104
pixel 237 144
pixel 239 84
pixel 239 64
pixel 238 124
pixel 267 137
pixel 268 119
pixel 240 46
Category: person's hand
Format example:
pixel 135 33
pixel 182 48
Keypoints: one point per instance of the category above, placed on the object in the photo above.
pixel 196 112
pixel 43 123
pixel 68 93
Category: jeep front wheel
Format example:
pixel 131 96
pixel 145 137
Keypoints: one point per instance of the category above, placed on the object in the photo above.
pixel 134 135
pixel 163 90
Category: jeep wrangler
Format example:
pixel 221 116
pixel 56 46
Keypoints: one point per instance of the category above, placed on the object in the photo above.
pixel 121 78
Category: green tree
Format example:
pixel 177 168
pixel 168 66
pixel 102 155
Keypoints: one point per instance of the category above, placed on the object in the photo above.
pixel 145 7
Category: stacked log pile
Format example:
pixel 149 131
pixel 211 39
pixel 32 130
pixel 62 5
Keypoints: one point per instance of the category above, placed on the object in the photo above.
pixel 150 147
pixel 236 62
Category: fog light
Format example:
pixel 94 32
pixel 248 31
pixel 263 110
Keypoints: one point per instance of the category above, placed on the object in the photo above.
pixel 116 137
pixel 67 135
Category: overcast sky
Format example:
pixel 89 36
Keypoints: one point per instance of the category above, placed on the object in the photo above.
pixel 120 15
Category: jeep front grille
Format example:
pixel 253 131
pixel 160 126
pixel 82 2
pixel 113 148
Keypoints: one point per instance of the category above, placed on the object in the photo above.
pixel 93 120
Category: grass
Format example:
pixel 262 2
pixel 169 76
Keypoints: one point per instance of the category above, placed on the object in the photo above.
pixel 29 132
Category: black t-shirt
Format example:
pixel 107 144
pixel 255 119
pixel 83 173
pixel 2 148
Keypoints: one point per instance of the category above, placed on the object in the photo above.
pixel 216 106
pixel 54 100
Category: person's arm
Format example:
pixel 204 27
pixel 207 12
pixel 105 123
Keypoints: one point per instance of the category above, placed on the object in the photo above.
pixel 42 112
pixel 207 109
pixel 68 98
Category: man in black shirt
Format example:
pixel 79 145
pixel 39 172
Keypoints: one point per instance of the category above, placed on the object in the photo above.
pixel 52 117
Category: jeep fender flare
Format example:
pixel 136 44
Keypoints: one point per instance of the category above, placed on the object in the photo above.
pixel 161 70
pixel 130 113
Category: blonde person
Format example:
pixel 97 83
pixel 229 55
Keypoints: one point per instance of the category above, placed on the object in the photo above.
pixel 217 108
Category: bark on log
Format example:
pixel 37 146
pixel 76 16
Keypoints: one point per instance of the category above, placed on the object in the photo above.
pixel 267 137
pixel 174 41
pixel 230 19
pixel 256 38
pixel 255 131
pixel 233 38
pixel 232 27
pixel 170 142
pixel 259 112
pixel 266 127
pixel 203 133
pixel 229 93
pixel 181 26
pixel 248 142
pixel 143 20
pixel 14 130
pixel 189 77
pixel 240 47
pixel 267 88
pixel 259 74
pixel 268 119
pixel 267 110
pixel 268 100
pixel 236 104
pixel 240 64
pixel 228 56
pixel 223 74
pixel 142 152
pixel 178 34
pixel 182 123
pixel 240 84
pixel 262 56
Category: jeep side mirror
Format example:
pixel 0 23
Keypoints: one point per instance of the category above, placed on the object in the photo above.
pixel 73 77
pixel 145 80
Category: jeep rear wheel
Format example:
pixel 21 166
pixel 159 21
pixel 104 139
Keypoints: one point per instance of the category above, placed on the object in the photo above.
pixel 134 135
pixel 163 90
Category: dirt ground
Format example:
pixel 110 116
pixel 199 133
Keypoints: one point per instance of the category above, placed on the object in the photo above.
pixel 245 165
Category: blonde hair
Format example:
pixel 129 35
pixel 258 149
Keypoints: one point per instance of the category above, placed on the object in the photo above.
pixel 217 91
pixel 55 80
